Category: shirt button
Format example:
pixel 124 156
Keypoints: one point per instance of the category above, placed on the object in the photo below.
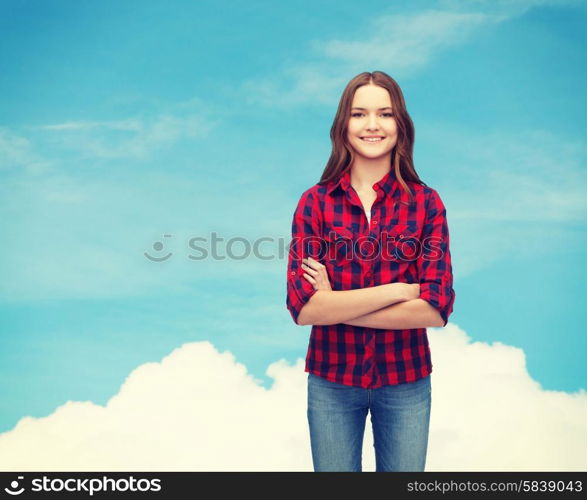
pixel 293 273
pixel 374 222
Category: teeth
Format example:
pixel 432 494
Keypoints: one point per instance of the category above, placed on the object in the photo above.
pixel 372 139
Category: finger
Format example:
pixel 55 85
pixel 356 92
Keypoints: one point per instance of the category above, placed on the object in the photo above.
pixel 319 264
pixel 309 278
pixel 314 263
pixel 309 269
pixel 311 265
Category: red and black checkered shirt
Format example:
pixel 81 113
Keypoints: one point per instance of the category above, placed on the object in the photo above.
pixel 401 243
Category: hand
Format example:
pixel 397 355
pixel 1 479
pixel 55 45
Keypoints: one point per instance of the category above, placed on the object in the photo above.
pixel 316 274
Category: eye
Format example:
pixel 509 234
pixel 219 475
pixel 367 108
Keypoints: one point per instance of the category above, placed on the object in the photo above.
pixel 356 114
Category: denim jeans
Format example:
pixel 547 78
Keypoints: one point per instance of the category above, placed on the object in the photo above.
pixel 400 416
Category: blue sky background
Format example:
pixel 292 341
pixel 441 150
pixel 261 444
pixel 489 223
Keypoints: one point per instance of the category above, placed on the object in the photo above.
pixel 121 122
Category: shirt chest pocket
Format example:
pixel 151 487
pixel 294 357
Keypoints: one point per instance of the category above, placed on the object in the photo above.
pixel 339 245
pixel 400 242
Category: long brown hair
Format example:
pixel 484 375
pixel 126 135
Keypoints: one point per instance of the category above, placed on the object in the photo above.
pixel 342 155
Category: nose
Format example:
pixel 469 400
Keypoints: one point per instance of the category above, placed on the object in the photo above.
pixel 372 122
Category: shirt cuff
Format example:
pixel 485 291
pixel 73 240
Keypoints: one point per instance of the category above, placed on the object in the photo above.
pixel 441 297
pixel 299 292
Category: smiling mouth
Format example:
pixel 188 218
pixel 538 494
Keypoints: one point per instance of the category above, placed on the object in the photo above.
pixel 372 139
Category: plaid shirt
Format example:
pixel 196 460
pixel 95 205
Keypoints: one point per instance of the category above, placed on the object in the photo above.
pixel 401 243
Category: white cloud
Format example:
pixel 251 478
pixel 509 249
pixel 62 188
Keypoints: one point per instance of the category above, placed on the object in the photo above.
pixel 18 152
pixel 200 410
pixel 404 42
pixel 130 138
pixel 505 8
pixel 129 124
pixel 399 43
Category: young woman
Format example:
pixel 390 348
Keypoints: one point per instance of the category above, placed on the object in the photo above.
pixel 369 267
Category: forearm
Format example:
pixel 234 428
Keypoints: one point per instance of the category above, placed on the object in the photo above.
pixel 329 307
pixel 416 313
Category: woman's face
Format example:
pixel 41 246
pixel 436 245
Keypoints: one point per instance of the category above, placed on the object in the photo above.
pixel 371 115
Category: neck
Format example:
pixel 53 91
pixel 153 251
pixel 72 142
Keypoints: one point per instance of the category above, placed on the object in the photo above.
pixel 365 172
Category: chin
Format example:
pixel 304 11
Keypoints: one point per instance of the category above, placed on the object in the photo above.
pixel 373 154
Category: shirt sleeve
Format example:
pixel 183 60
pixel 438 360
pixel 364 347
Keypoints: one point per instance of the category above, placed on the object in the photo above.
pixel 306 238
pixel 434 262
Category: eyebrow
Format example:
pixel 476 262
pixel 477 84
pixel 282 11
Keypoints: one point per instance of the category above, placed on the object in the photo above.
pixel 380 109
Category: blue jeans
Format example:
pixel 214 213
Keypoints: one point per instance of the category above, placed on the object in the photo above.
pixel 400 416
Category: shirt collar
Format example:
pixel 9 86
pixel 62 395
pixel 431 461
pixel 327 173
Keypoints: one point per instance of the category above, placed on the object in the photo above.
pixel 344 182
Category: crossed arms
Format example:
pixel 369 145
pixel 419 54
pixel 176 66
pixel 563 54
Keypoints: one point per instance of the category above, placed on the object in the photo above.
pixel 389 306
